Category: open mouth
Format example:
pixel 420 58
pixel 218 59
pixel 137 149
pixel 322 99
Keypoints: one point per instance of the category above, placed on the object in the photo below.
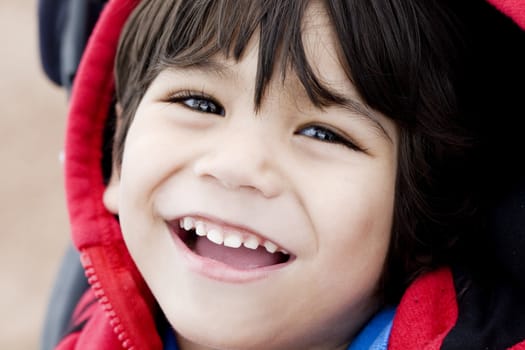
pixel 236 248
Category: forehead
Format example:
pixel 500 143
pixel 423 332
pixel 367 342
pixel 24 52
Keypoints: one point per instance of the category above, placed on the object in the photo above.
pixel 318 47
pixel 318 36
pixel 322 51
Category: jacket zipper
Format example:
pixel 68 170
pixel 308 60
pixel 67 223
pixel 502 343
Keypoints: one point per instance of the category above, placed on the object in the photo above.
pixel 100 294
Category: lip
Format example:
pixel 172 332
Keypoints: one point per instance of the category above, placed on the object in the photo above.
pixel 217 270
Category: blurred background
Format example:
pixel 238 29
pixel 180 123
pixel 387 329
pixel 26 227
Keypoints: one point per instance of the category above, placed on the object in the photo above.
pixel 35 231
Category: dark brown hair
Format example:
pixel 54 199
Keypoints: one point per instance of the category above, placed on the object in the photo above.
pixel 403 56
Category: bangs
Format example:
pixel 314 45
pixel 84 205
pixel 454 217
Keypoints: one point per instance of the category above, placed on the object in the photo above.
pixel 406 69
pixel 202 29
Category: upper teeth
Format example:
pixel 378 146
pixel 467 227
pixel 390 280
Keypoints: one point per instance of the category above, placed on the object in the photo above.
pixel 228 238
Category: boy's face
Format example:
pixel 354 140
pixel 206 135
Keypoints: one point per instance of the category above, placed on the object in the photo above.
pixel 316 187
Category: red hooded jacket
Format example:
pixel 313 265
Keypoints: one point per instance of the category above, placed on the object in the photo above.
pixel 124 316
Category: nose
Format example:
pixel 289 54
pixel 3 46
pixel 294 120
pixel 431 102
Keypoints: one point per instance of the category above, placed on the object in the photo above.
pixel 241 162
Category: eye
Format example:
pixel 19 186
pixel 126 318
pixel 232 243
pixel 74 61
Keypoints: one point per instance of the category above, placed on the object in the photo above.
pixel 326 135
pixel 198 102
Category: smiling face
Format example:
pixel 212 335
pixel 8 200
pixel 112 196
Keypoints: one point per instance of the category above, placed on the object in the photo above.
pixel 258 227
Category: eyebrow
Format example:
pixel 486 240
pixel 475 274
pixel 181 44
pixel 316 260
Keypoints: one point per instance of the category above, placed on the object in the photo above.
pixel 360 110
pixel 350 104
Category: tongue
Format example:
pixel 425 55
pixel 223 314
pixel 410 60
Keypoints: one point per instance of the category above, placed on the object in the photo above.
pixel 241 258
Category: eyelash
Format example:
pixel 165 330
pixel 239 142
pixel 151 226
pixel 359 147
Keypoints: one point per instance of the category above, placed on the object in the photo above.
pixel 202 103
pixel 324 134
pixel 202 100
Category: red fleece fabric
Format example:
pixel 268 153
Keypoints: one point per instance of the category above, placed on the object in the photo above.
pixel 90 102
pixel 426 313
pixel 515 9
pixel 126 312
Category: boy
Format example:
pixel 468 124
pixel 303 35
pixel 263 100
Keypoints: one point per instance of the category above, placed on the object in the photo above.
pixel 281 172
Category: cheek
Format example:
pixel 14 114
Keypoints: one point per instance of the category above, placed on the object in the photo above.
pixel 152 153
pixel 359 234
pixel 353 245
pixel 353 221
pixel 360 200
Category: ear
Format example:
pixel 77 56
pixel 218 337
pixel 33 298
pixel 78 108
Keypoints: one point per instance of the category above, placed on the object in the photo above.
pixel 110 197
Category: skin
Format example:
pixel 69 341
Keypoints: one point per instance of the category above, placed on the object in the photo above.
pixel 330 204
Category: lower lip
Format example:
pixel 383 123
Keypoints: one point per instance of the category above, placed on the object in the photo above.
pixel 219 271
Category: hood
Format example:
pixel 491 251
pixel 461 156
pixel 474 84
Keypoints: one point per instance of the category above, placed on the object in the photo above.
pixel 515 9
pixel 95 231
